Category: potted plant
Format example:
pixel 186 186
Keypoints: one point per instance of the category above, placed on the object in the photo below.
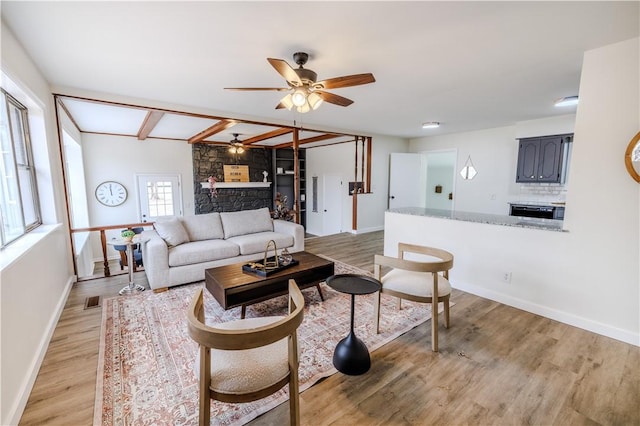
pixel 127 234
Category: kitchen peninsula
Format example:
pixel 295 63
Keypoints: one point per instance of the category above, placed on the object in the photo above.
pixel 518 261
pixel 493 219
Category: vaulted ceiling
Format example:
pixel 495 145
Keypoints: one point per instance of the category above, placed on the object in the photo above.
pixel 468 65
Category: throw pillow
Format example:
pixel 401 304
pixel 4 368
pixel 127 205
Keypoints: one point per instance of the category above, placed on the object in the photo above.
pixel 172 231
pixel 246 222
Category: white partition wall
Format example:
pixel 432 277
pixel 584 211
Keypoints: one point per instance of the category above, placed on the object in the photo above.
pixel 588 276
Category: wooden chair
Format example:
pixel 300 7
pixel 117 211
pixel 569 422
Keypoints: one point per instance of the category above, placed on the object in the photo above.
pixel 419 281
pixel 248 359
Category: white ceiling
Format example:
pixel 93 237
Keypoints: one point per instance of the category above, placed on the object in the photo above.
pixel 468 65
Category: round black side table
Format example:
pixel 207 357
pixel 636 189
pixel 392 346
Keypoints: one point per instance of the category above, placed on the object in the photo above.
pixel 351 355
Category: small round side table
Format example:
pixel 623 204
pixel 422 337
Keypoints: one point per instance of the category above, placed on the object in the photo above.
pixel 351 355
pixel 131 288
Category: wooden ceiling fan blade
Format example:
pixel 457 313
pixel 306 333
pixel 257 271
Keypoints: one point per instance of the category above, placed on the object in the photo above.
pixel 285 70
pixel 277 89
pixel 333 99
pixel 346 81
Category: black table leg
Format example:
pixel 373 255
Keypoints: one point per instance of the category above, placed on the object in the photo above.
pixel 351 355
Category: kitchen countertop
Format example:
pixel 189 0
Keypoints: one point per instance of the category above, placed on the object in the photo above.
pixel 493 219
pixel 539 203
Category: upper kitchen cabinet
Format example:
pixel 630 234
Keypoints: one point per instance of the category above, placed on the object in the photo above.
pixel 543 159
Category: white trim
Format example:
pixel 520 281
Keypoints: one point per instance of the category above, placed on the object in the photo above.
pixel 366 230
pixel 15 413
pixel 563 317
pixel 222 185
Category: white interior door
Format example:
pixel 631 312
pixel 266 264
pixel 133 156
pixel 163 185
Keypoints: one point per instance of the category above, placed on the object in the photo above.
pixel 331 204
pixel 159 196
pixel 407 180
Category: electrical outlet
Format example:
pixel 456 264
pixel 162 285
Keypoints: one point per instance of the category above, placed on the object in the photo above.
pixel 506 277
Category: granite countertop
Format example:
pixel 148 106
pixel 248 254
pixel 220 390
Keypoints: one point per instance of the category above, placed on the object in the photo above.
pixel 493 219
pixel 539 203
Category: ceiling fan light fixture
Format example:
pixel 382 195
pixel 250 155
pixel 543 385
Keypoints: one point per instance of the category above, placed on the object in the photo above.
pixel 287 102
pixel 304 108
pixel 566 101
pixel 314 100
pixel 235 146
pixel 431 125
pixel 299 97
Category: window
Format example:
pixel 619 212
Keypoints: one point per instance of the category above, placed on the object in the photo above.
pixel 19 208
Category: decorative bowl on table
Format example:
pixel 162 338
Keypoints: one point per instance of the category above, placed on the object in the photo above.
pixel 127 235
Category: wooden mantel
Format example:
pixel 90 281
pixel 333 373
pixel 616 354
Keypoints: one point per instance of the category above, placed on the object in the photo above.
pixel 223 185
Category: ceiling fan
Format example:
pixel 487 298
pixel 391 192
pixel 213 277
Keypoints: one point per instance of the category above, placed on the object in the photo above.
pixel 305 92
pixel 235 146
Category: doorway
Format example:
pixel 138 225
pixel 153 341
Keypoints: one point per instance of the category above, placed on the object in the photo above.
pixel 441 173
pixel 407 177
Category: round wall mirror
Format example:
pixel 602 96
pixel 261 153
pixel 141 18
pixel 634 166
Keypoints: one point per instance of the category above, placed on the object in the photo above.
pixel 632 157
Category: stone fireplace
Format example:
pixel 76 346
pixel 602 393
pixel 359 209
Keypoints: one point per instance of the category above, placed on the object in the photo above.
pixel 208 160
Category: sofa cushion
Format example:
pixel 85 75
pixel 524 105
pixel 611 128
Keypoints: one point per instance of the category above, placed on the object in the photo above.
pixel 171 231
pixel 201 251
pixel 246 222
pixel 203 226
pixel 257 243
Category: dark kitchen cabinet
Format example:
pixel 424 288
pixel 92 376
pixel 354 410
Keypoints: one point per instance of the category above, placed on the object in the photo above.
pixel 543 159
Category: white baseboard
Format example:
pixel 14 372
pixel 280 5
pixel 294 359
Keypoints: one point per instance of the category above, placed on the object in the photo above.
pixel 563 317
pixel 366 230
pixel 16 412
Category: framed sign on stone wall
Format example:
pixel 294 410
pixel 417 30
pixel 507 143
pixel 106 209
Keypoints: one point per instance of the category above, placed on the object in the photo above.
pixel 235 173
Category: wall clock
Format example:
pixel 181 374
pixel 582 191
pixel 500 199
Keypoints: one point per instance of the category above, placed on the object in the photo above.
pixel 111 193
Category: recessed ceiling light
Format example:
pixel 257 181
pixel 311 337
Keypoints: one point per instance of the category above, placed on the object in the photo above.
pixel 567 101
pixel 430 125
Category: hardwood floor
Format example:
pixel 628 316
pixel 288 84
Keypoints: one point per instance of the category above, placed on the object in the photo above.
pixel 496 365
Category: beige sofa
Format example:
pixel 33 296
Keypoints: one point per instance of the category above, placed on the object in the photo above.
pixel 179 249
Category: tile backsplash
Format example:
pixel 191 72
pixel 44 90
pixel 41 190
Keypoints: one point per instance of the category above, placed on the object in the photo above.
pixel 545 192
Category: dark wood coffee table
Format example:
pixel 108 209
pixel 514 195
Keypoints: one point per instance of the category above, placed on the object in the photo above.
pixel 233 287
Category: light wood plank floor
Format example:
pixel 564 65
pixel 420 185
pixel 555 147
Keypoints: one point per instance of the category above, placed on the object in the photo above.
pixel 496 365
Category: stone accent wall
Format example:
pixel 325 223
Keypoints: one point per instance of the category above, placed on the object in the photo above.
pixel 209 159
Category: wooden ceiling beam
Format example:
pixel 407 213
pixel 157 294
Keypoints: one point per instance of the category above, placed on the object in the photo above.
pixel 272 134
pixel 149 123
pixel 220 126
pixel 309 140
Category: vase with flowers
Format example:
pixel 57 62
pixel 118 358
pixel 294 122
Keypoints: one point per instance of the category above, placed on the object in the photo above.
pixel 282 210
pixel 212 186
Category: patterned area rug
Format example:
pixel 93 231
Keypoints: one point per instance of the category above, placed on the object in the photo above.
pixel 145 368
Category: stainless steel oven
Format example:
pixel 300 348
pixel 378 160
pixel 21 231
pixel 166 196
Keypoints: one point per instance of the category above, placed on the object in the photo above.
pixel 539 211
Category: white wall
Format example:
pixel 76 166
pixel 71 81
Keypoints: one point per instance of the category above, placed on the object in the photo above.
pixel 590 275
pixel 494 153
pixel 120 158
pixel 339 160
pixel 34 286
